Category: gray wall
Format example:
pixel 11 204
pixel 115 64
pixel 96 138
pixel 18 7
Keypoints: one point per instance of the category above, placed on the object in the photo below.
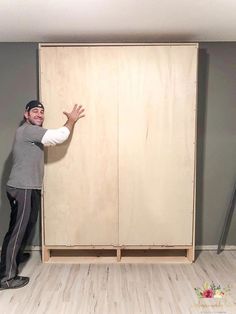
pixel 216 171
pixel 216 162
pixel 18 85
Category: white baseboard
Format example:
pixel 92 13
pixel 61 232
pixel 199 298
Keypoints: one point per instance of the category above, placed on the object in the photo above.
pixel 33 248
pixel 215 247
pixel 198 248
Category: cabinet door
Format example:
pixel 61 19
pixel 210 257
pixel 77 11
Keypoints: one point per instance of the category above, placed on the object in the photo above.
pixel 81 184
pixel 157 107
pixel 130 162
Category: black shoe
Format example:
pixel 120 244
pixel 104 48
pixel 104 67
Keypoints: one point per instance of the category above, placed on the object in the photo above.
pixel 23 258
pixel 15 283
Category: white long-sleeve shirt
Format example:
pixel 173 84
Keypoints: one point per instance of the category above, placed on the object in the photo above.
pixel 55 136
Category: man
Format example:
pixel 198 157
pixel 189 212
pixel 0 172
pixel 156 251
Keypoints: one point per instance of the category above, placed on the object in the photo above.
pixel 25 183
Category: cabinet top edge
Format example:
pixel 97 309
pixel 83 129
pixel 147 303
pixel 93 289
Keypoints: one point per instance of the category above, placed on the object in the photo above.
pixel 41 45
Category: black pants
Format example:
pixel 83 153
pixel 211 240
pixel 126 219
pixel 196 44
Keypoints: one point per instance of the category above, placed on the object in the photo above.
pixel 25 205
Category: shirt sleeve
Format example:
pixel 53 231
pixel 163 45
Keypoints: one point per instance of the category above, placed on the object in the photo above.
pixel 34 133
pixel 55 136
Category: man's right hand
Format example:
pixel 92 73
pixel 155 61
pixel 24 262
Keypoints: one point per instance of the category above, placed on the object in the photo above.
pixel 74 116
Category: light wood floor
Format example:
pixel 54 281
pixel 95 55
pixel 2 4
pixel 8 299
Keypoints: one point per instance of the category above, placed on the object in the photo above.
pixel 123 289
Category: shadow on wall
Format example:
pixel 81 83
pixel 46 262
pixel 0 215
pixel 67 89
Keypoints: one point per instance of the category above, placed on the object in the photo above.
pixel 203 71
pixel 58 152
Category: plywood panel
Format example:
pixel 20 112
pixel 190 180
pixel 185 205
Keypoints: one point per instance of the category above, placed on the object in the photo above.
pixel 157 100
pixel 81 189
pixel 130 164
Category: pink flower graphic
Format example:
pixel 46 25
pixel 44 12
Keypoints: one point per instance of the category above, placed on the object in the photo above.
pixel 208 293
pixel 211 291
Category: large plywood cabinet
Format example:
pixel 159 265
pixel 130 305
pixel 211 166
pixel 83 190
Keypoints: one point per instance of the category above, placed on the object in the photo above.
pixel 126 177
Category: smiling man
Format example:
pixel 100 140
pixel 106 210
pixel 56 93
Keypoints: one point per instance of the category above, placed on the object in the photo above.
pixel 24 186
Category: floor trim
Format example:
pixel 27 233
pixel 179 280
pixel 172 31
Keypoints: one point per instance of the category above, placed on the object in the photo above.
pixel 198 248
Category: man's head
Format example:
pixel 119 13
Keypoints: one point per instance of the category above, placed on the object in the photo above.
pixel 34 113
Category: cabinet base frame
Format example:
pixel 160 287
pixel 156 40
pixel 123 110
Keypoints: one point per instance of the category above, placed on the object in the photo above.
pixel 117 254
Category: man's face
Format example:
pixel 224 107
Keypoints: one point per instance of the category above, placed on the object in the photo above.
pixel 35 116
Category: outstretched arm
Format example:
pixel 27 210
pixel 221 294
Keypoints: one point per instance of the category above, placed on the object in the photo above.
pixel 60 135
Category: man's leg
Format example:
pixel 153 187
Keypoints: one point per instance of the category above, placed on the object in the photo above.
pixel 20 200
pixel 6 240
pixel 35 208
